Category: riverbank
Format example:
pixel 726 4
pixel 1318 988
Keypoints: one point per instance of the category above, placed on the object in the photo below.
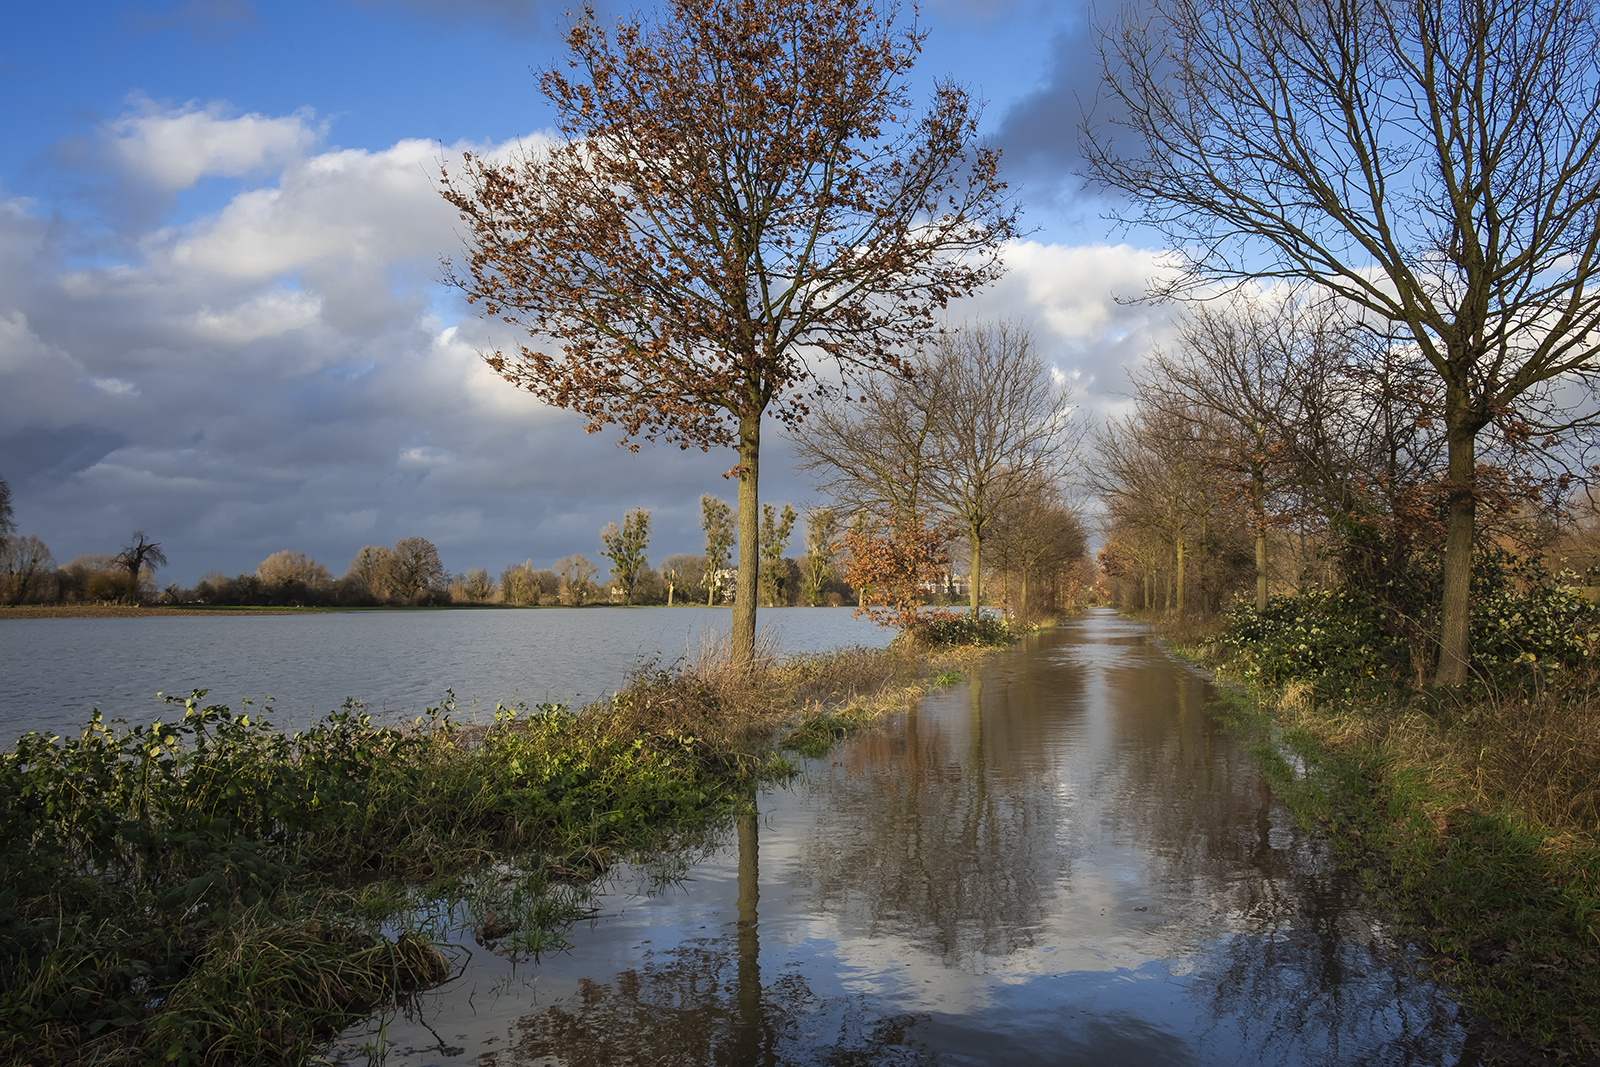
pixel 213 890
pixel 1472 820
pixel 132 611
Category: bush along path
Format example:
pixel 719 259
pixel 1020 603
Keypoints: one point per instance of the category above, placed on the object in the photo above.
pixel 1471 814
pixel 210 890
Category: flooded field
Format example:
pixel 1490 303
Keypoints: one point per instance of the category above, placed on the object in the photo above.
pixel 1061 862
pixel 398 663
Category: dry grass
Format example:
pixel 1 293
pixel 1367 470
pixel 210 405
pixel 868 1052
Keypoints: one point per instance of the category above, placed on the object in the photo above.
pixel 1535 758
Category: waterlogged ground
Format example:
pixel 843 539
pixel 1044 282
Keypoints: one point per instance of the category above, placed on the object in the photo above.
pixel 1061 862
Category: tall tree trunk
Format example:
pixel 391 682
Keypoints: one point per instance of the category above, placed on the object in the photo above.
pixel 1258 509
pixel 1180 576
pixel 972 579
pixel 1455 606
pixel 748 1037
pixel 749 574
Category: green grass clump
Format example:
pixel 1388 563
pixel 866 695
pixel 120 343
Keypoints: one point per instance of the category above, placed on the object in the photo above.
pixel 820 731
pixel 203 889
pixel 948 629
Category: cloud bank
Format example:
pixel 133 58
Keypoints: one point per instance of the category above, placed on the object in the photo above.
pixel 285 371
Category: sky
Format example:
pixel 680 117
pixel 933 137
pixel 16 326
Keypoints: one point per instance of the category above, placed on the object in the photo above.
pixel 221 320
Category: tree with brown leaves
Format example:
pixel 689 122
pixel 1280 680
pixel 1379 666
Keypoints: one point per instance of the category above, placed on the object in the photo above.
pixel 738 195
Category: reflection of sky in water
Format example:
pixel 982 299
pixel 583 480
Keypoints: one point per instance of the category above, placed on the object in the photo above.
pixel 1062 862
pixel 397 662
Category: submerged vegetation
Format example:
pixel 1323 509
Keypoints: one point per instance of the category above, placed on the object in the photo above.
pixel 211 890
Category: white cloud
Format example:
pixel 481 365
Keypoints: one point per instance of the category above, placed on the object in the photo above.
pixel 114 386
pixel 269 314
pixel 175 148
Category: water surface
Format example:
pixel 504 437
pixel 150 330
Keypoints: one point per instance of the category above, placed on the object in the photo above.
pixel 397 662
pixel 1063 862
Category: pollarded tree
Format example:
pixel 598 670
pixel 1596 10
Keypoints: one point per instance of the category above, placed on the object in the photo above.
pixel 822 536
pixel 626 549
pixel 776 528
pixel 1434 163
pixel 716 519
pixel 140 555
pixel 738 194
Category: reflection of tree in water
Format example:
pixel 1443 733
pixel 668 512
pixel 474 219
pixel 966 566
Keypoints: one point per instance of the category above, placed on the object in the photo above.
pixel 682 1008
pixel 702 1003
pixel 1297 969
pixel 944 835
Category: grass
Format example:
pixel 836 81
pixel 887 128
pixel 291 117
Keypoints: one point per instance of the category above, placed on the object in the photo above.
pixel 209 890
pixel 1473 819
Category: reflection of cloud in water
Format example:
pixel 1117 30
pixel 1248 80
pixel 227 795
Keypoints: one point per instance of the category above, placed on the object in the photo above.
pixel 1064 862
pixel 683 1006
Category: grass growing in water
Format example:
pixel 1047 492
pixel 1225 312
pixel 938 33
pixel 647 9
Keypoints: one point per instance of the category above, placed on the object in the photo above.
pixel 1474 815
pixel 210 890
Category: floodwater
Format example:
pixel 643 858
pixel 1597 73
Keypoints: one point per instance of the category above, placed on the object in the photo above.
pixel 1061 862
pixel 398 663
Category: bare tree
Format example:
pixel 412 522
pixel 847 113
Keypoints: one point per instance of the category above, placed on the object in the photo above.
pixel 8 517
pixel 1239 366
pixel 873 454
pixel 370 570
pixel 577 577
pixel 979 423
pixel 626 548
pixel 1152 475
pixel 25 566
pixel 738 192
pixel 414 568
pixel 519 584
pixel 137 556
pixel 475 586
pixel 1434 164
pixel 1038 542
pixel 1002 429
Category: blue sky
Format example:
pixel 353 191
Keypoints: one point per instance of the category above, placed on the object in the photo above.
pixel 219 315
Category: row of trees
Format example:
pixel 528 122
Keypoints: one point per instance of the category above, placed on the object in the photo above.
pixel 959 460
pixel 1284 446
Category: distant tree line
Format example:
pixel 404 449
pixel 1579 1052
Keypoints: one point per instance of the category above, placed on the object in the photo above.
pixel 410 572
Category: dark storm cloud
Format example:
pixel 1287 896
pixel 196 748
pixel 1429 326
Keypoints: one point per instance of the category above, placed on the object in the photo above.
pixel 1041 134
pixel 45 455
pixel 521 17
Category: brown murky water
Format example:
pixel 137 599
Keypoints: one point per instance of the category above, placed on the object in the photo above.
pixel 1062 862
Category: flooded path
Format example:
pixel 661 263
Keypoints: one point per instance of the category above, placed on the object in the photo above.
pixel 1062 862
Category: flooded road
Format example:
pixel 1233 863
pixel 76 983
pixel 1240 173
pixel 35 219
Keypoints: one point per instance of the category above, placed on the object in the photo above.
pixel 1061 862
